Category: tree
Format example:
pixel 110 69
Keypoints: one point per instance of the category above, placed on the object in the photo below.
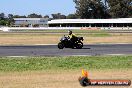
pixel 58 16
pixel 62 17
pixel 46 16
pixel 120 8
pixel 71 16
pixel 10 19
pixel 18 16
pixel 10 16
pixel 4 22
pixel 33 15
pixel 91 9
pixel 82 8
pixel 2 16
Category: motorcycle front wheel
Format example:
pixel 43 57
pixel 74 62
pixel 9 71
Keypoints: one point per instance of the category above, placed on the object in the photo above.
pixel 60 45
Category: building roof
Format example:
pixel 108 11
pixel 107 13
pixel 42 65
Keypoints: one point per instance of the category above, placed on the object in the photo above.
pixel 118 20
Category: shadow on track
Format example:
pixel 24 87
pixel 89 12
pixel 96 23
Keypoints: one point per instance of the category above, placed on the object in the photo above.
pixel 80 49
pixel 86 48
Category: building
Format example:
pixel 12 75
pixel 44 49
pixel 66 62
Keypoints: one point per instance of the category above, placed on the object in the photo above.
pixel 30 22
pixel 120 22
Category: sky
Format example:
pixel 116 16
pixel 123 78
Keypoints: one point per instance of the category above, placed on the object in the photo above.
pixel 43 7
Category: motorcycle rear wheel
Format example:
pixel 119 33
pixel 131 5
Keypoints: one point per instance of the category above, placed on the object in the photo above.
pixel 80 45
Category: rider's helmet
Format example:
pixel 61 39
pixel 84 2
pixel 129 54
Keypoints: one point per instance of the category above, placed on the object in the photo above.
pixel 70 32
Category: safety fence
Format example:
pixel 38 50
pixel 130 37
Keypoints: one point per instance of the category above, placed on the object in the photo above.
pixel 62 28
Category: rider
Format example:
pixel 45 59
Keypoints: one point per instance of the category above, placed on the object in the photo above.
pixel 72 37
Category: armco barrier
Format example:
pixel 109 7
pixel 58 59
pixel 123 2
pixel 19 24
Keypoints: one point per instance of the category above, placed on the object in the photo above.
pixel 38 28
pixel 116 28
pixel 62 28
pixel 90 28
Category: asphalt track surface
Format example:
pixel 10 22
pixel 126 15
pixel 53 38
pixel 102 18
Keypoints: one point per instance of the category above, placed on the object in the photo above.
pixel 52 50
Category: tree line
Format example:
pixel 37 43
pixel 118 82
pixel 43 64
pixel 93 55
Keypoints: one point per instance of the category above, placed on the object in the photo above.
pixel 85 9
pixel 98 9
pixel 8 20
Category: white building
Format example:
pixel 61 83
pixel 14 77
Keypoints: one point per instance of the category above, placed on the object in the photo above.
pixel 30 22
pixel 120 22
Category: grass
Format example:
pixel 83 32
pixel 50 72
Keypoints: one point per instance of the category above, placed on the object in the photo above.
pixel 52 72
pixel 61 32
pixel 11 64
pixel 90 32
pixel 53 37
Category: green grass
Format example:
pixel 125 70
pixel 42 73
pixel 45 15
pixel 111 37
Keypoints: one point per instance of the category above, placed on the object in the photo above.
pixel 88 33
pixel 11 64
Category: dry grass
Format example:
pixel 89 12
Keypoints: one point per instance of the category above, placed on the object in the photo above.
pixel 66 79
pixel 25 39
pixel 112 39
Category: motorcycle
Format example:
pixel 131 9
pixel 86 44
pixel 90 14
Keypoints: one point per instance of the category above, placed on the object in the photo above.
pixel 65 42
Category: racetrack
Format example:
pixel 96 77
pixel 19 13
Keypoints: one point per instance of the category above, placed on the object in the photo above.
pixel 52 50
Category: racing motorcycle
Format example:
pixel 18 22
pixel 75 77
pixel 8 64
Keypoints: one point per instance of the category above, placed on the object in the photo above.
pixel 65 42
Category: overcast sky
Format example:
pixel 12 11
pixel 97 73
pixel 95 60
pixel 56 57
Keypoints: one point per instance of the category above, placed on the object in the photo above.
pixel 44 7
